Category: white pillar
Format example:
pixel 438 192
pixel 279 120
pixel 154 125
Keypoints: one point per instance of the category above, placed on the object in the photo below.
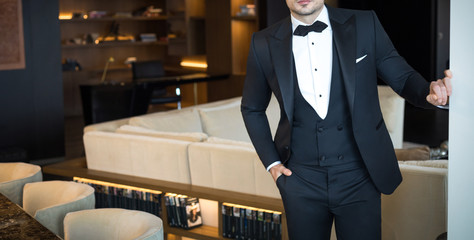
pixel 461 123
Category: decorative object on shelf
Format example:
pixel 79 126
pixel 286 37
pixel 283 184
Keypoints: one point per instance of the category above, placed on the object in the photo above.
pixel 97 14
pixel 441 152
pixel 71 65
pixel 114 35
pixel 129 61
pixel 148 37
pixel 247 10
pixel 123 15
pixel 111 59
pixel 78 15
pixel 148 11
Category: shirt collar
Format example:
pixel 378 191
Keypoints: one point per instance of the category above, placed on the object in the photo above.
pixel 323 17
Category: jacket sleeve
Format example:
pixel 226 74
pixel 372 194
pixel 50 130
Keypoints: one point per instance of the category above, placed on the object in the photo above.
pixel 255 99
pixel 395 71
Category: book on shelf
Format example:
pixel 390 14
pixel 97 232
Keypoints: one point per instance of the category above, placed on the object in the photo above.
pixel 111 195
pixel 183 211
pixel 148 37
pixel 248 223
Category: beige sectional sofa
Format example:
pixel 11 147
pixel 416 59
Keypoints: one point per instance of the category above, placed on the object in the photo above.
pixel 207 145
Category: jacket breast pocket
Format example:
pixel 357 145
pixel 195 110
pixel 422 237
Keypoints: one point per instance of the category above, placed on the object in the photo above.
pixel 362 61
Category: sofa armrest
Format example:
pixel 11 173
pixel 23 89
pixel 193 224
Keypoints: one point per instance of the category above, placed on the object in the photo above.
pixel 417 209
pixel 109 126
pixel 230 167
pixel 393 110
pixel 151 157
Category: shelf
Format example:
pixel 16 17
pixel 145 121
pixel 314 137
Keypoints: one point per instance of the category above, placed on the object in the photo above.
pixel 78 168
pixel 114 44
pixel 203 232
pixel 244 18
pixel 108 19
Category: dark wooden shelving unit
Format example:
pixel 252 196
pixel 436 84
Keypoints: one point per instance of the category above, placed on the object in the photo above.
pixel 115 44
pixel 108 19
pixel 78 168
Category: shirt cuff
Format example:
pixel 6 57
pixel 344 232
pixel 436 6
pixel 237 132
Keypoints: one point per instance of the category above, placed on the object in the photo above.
pixel 446 107
pixel 273 164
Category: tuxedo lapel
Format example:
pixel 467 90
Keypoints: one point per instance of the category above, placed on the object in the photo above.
pixel 282 58
pixel 344 34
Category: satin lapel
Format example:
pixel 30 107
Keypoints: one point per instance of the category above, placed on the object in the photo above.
pixel 344 33
pixel 282 58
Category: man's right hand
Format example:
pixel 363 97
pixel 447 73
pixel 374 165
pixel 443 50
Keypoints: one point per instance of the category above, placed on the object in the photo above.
pixel 278 170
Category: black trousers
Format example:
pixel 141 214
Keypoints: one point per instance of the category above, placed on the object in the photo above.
pixel 315 196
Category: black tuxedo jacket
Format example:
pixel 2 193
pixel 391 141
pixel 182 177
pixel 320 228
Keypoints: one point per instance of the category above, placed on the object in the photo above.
pixel 356 34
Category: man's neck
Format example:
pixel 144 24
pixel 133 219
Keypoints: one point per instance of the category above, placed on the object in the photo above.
pixel 307 19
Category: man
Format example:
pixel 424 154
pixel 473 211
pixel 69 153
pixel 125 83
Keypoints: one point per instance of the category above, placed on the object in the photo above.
pixel 332 155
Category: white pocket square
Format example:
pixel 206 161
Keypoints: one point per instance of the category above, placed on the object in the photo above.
pixel 360 59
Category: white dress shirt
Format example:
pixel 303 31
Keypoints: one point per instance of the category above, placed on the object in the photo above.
pixel 313 62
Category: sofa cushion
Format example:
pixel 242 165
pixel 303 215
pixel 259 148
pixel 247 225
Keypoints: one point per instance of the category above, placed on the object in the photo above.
pixel 185 120
pixel 230 167
pixel 151 157
pixel 224 141
pixel 184 136
pixel 224 121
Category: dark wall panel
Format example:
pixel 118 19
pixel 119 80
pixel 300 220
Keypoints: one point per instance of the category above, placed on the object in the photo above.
pixel 31 99
pixel 420 32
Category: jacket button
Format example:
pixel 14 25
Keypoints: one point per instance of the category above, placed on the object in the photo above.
pixel 340 127
pixel 322 158
pixel 340 157
pixel 320 129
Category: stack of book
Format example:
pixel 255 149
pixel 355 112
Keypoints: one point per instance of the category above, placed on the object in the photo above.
pixel 111 195
pixel 182 211
pixel 241 222
pixel 148 37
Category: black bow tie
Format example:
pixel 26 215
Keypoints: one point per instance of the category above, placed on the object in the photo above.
pixel 317 26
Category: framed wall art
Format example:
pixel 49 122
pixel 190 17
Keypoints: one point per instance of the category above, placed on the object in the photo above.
pixel 12 47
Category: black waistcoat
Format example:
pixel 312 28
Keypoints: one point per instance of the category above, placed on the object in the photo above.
pixel 323 142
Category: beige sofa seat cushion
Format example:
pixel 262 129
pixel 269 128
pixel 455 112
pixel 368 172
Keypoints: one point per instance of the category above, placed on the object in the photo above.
pixel 184 136
pixel 112 223
pixel 185 120
pixel 230 167
pixel 50 201
pixel 151 157
pixel 418 207
pixel 13 176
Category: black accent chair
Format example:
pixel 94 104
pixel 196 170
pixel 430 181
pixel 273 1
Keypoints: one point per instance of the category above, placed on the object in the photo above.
pixel 154 69
pixel 105 102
